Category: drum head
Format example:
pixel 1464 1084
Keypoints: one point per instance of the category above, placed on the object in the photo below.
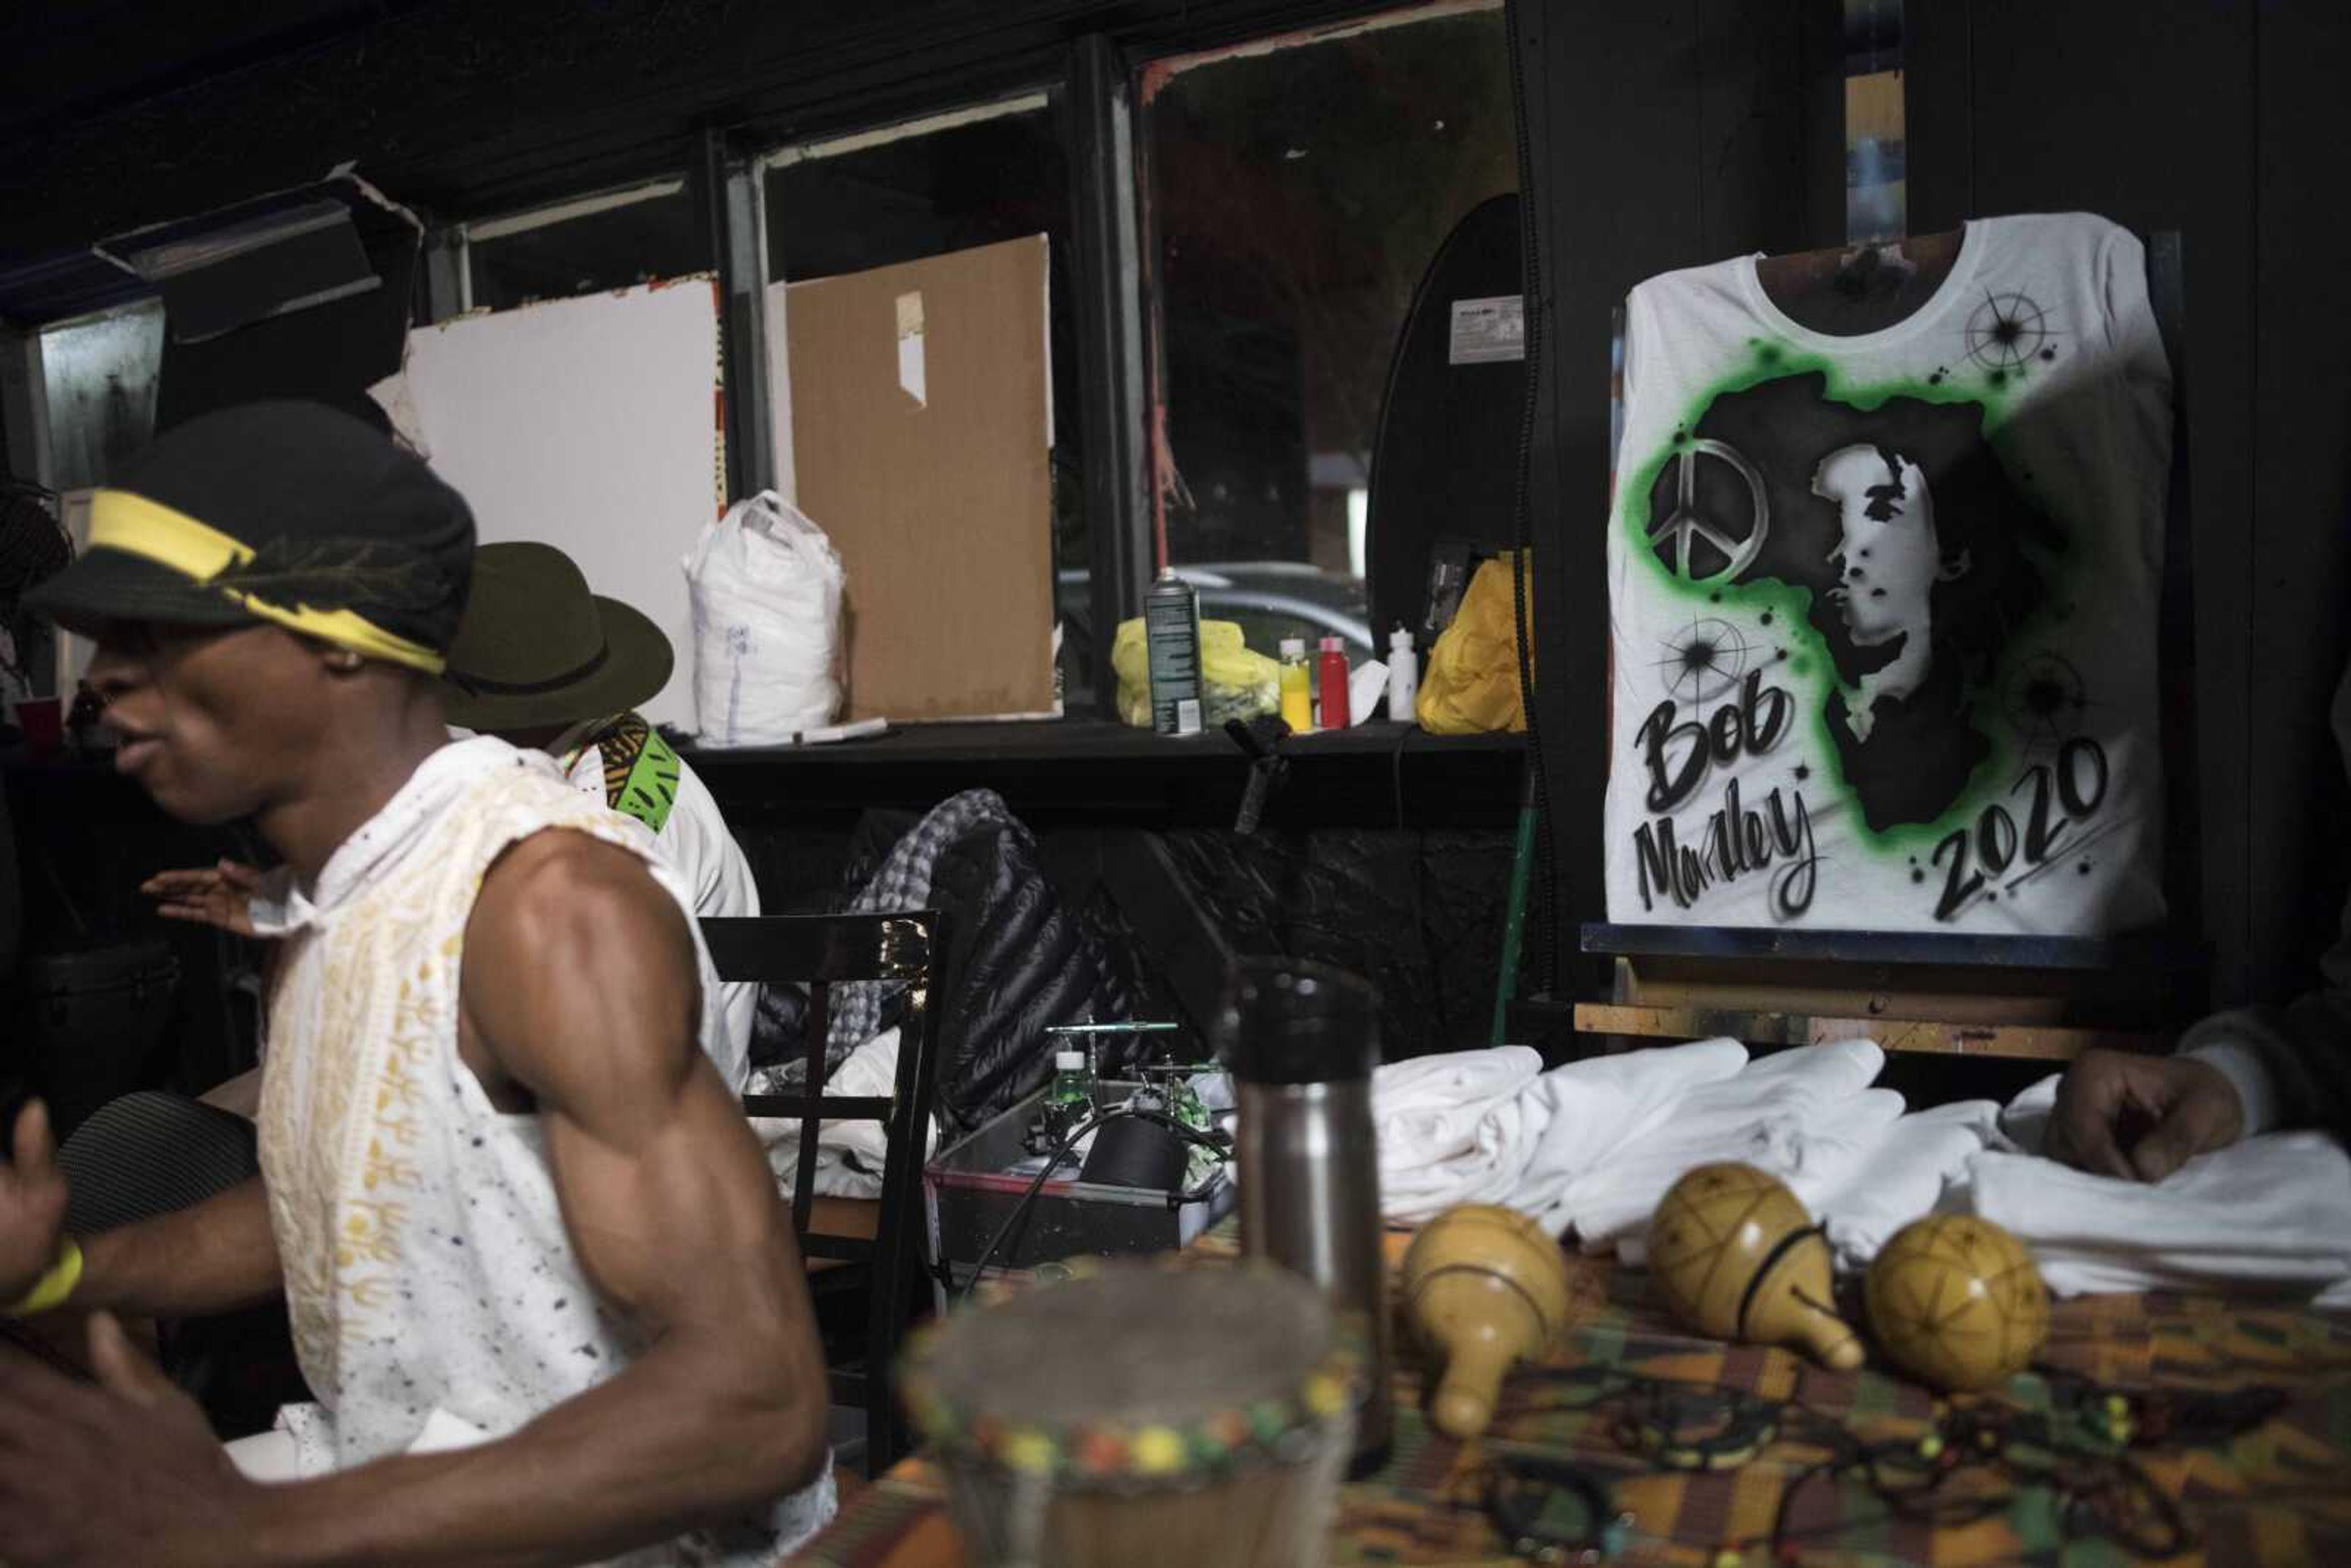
pixel 1133 1346
pixel 1134 1373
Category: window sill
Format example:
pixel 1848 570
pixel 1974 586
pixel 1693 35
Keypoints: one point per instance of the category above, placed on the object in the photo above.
pixel 1088 769
pixel 1079 740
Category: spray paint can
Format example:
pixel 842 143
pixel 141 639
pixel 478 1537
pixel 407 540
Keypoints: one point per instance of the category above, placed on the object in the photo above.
pixel 1171 632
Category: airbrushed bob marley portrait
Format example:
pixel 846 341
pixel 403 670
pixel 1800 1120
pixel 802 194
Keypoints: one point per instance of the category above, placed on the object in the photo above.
pixel 1884 608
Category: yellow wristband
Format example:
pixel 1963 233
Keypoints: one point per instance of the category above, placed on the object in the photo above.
pixel 52 1290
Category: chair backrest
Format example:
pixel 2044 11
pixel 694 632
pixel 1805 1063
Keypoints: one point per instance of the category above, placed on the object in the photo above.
pixel 821 951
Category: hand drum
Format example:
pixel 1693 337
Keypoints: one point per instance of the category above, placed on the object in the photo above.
pixel 1482 1286
pixel 1957 1302
pixel 1734 1253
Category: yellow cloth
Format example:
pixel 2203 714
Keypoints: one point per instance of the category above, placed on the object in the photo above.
pixel 1472 683
pixel 1236 681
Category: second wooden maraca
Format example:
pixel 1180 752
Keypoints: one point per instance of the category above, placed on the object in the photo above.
pixel 1483 1286
pixel 1735 1253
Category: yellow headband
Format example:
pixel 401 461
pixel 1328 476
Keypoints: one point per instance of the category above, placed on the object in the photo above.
pixel 134 524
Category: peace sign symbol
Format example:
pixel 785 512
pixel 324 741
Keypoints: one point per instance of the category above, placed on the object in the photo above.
pixel 1686 520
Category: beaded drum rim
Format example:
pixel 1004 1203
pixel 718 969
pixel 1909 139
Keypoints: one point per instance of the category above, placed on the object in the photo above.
pixel 1284 1428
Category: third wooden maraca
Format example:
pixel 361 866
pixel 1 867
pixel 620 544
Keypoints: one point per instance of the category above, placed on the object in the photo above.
pixel 1957 1301
pixel 1483 1286
pixel 1734 1252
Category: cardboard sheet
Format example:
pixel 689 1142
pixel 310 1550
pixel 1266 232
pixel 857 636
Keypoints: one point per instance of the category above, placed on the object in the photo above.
pixel 920 440
pixel 590 423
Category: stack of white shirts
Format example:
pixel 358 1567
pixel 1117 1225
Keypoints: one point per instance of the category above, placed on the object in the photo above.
pixel 1592 1146
pixel 1805 1115
pixel 1452 1129
pixel 2270 1216
pixel 1902 1177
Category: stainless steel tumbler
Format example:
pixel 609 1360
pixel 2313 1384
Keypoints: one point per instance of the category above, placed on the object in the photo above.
pixel 1302 1041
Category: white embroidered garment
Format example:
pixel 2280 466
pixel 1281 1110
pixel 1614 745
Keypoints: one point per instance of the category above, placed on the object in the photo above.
pixel 427 1267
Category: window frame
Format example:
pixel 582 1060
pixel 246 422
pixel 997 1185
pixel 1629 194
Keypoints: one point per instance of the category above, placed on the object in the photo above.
pixel 455 294
pixel 1086 104
pixel 1090 85
pixel 1164 65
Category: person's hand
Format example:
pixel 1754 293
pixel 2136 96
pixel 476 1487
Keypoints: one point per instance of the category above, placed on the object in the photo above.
pixel 2142 1117
pixel 32 1205
pixel 125 1474
pixel 218 895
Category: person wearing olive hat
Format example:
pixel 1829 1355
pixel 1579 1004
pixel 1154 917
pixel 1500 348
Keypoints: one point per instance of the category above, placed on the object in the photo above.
pixel 544 662
pixel 511 1203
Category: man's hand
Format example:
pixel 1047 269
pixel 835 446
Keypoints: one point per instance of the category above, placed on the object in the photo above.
pixel 31 1205
pixel 126 1473
pixel 218 895
pixel 2142 1117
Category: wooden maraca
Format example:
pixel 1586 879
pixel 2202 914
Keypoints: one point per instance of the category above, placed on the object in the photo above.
pixel 1957 1301
pixel 1482 1286
pixel 1734 1253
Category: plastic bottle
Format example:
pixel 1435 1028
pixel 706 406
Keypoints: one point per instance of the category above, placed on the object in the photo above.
pixel 1404 676
pixel 1296 687
pixel 1333 672
pixel 1073 1084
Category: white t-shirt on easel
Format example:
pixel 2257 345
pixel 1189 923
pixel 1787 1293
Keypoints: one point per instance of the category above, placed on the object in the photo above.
pixel 1884 608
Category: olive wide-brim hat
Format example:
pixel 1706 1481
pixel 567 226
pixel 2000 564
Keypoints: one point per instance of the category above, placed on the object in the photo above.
pixel 537 648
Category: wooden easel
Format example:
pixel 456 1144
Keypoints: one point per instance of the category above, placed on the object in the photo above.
pixel 2017 998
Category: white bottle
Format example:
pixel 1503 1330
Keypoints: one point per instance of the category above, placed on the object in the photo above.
pixel 1404 676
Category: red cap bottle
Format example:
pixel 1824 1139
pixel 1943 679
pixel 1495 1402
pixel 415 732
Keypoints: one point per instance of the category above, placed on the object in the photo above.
pixel 1333 672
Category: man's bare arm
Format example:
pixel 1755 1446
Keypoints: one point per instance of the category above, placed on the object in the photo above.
pixel 212 1258
pixel 207 1258
pixel 580 987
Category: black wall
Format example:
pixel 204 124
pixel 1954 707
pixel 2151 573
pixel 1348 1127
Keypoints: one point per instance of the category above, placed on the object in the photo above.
pixel 2225 122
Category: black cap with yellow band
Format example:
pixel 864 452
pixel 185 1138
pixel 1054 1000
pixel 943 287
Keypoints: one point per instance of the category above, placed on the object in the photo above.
pixel 283 512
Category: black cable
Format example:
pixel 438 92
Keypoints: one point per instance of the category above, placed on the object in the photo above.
pixel 1531 304
pixel 1060 1151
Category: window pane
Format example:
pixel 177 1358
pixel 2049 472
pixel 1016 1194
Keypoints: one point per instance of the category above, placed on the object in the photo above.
pixel 1296 194
pixel 611 247
pixel 1876 191
pixel 877 202
pixel 99 377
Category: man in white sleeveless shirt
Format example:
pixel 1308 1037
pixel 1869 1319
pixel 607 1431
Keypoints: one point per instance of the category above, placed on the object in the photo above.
pixel 541 661
pixel 511 1205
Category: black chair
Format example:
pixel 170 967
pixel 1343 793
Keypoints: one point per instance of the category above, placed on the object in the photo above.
pixel 822 951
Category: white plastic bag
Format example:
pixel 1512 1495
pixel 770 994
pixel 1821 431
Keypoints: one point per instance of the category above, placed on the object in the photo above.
pixel 765 585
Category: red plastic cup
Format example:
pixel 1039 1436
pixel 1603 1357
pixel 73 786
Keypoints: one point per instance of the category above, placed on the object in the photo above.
pixel 43 721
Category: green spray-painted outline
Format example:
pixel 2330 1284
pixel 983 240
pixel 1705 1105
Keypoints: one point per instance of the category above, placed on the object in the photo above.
pixel 1991 777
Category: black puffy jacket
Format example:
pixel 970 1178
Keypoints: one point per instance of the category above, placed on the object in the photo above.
pixel 1017 962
